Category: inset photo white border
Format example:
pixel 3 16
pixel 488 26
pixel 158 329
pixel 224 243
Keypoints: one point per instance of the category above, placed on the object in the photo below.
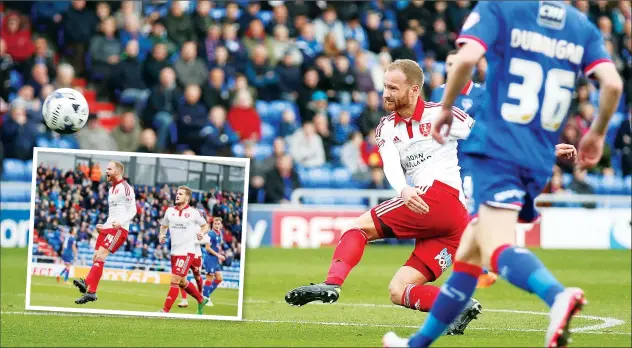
pixel 238 162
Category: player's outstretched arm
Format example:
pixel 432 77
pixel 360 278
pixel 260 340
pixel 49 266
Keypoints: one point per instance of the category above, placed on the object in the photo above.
pixel 162 236
pixel 611 86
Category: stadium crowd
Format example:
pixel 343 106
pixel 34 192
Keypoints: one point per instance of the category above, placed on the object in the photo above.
pixel 191 75
pixel 77 200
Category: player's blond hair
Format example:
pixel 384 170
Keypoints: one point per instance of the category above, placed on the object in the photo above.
pixel 119 166
pixel 219 219
pixel 413 72
pixel 187 191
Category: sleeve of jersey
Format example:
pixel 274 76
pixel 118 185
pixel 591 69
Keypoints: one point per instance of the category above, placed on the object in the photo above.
pixel 165 219
pixel 462 124
pixel 390 156
pixel 130 205
pixel 200 219
pixel 595 51
pixel 481 26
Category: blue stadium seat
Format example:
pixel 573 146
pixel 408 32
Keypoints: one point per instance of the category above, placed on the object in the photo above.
pixel 333 110
pixel 319 177
pixel 28 170
pixel 355 110
pixel 262 109
pixel 12 170
pixel 11 193
pixel 341 177
pixel 68 143
pixel 276 108
pixel 217 13
pixel 265 17
pixel 268 132
pixel 627 185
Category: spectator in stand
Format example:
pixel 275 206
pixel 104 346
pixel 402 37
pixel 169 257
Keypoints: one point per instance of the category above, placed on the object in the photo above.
pixel 415 14
pixel 222 62
pixel 179 26
pixel 95 137
pixel 208 44
pixel 280 18
pixel 343 129
pixel 411 48
pixel 218 137
pixel 308 44
pixel 457 13
pixel 318 105
pixel 330 48
pixel 363 78
pixel 250 14
pixel 128 9
pixel 351 156
pixel 42 55
pixel 103 11
pixel 289 74
pixel 571 136
pixel 325 75
pixel 162 103
pixel 288 123
pixel 127 134
pixel 128 77
pixel 243 117
pixel 329 22
pixel 353 30
pixel 370 151
pixel 256 37
pixel 257 174
pixel 375 34
pixel 6 65
pixel 190 69
pixel 105 51
pixel 281 181
pixel 282 45
pixel 201 18
pixel 158 35
pixel 237 50
pixel 579 184
pixel 215 90
pixel 481 71
pixel 39 78
pixel 241 84
pixel 378 181
pixel 65 76
pixel 131 31
pixel 372 113
pixel 306 146
pixel 18 134
pixel 17 37
pixel 262 75
pixel 585 117
pixel 384 60
pixel 26 99
pixel 154 65
pixel 48 15
pixel 440 40
pixel 192 116
pixel 623 143
pixel 147 141
pixel 79 25
pixel 321 125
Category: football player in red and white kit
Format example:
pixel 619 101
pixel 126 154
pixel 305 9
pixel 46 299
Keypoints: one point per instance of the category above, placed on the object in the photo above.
pixel 196 267
pixel 184 222
pixel 432 211
pixel 113 233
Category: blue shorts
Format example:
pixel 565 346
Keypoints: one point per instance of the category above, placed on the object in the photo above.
pixel 504 185
pixel 68 258
pixel 211 265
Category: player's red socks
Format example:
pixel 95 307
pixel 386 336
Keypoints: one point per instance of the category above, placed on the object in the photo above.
pixel 419 297
pixel 346 256
pixel 96 271
pixel 171 297
pixel 193 291
pixel 198 281
pixel 183 293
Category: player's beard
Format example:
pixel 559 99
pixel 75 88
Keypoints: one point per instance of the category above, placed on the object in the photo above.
pixel 392 104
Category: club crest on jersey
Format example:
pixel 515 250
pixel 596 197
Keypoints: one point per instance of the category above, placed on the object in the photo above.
pixel 551 15
pixel 424 128
pixel 116 192
pixel 467 104
pixel 186 215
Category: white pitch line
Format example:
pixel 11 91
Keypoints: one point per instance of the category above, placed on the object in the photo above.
pixel 300 322
pixel 607 322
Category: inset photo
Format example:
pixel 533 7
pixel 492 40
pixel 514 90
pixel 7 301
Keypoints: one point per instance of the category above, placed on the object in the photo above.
pixel 137 234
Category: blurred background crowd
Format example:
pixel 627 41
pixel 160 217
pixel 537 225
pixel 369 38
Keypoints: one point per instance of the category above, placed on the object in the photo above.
pixel 77 200
pixel 295 86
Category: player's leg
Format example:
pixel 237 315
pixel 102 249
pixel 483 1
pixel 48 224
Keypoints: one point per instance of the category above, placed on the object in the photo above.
pixel 183 303
pixel 66 272
pixel 347 255
pixel 189 287
pixel 196 268
pixel 219 277
pixel 174 288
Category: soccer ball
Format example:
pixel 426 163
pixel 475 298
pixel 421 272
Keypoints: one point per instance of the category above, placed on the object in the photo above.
pixel 65 111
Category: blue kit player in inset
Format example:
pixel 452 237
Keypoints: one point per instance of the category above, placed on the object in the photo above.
pixel 535 51
pixel 68 254
pixel 213 260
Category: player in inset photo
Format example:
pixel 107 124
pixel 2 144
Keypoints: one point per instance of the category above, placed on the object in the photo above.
pixel 213 260
pixel 68 254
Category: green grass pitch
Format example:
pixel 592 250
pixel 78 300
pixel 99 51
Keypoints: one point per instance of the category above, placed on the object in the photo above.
pixel 360 318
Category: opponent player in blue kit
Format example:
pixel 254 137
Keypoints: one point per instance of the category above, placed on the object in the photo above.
pixel 213 260
pixel 68 255
pixel 535 52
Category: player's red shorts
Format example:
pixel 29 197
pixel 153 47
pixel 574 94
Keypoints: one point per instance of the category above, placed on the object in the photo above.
pixel 180 264
pixel 196 265
pixel 111 239
pixel 437 233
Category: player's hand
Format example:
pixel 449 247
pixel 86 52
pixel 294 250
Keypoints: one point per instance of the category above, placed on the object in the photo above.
pixel 441 126
pixel 566 151
pixel 116 225
pixel 162 239
pixel 221 258
pixel 413 201
pixel 200 236
pixel 590 149
pixel 100 227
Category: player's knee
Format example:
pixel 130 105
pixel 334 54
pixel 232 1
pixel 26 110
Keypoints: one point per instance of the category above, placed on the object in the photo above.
pixel 395 291
pixel 365 223
pixel 175 279
pixel 219 277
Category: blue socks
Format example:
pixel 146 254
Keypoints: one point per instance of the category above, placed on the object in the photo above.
pixel 209 287
pixel 521 268
pixel 454 296
pixel 64 273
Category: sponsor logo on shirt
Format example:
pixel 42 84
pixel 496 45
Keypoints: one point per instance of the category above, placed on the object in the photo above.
pixel 551 15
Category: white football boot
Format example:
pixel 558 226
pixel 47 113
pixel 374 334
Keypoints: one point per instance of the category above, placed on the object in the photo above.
pixel 567 304
pixel 391 340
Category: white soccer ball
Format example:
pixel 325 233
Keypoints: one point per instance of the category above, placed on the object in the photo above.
pixel 65 111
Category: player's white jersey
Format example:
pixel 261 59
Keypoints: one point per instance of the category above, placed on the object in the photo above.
pixel 121 204
pixel 420 156
pixel 184 225
pixel 198 243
